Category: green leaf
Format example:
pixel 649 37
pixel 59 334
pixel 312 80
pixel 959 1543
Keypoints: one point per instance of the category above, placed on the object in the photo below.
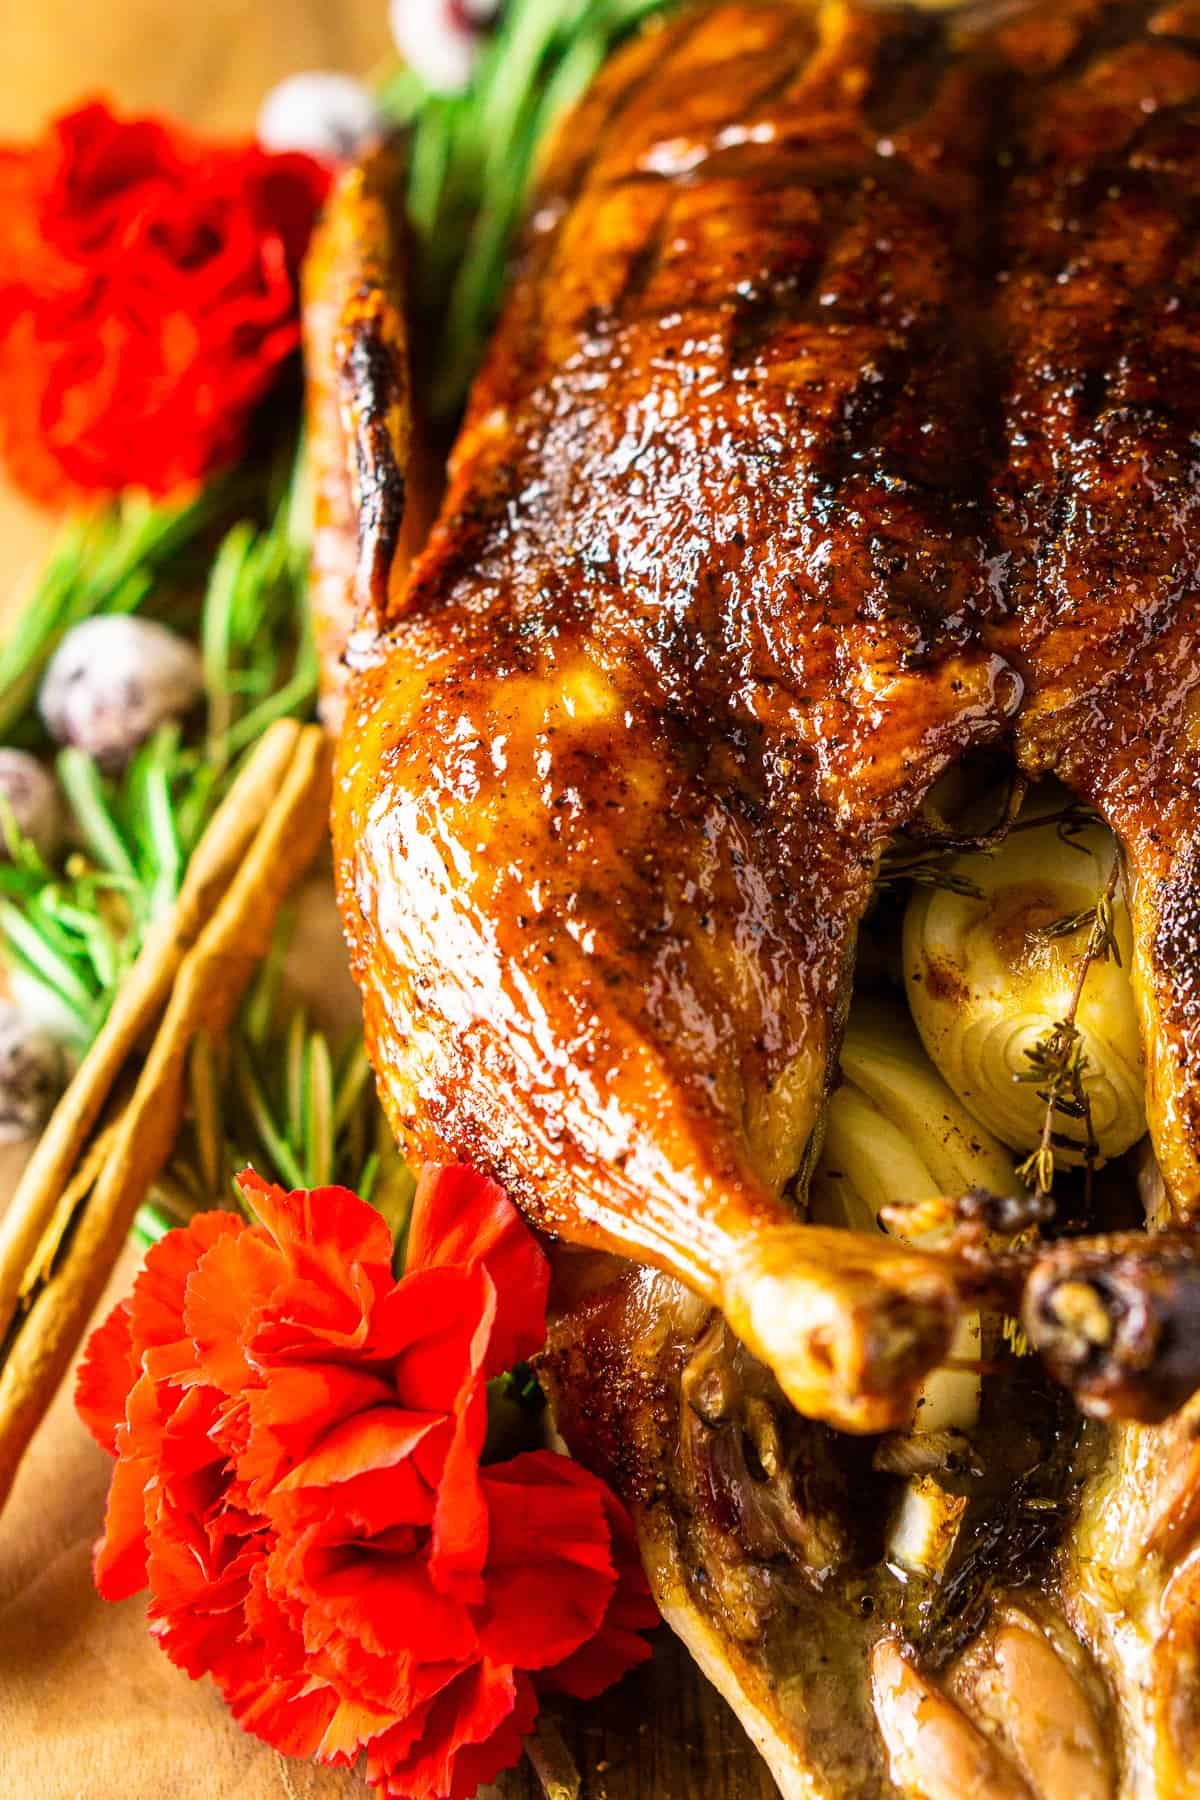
pixel 365 1186
pixel 83 786
pixel 217 631
pixel 296 1075
pixel 57 973
pixel 283 1164
pixel 296 696
pixel 352 1084
pixel 167 858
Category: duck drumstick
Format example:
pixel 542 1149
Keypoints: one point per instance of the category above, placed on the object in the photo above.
pixel 1117 1320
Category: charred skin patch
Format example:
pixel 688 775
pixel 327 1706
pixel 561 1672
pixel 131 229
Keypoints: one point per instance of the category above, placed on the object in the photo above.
pixel 1177 939
pixel 375 387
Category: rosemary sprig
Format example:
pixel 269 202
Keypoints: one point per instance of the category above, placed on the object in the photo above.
pixel 74 930
pixel 280 1097
pixel 1070 924
pixel 1058 1061
pixel 1071 821
pixel 111 561
pixel 927 868
pixel 472 157
pixel 930 864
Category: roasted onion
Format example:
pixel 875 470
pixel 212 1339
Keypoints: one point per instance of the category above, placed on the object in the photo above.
pixel 988 978
pixel 895 1136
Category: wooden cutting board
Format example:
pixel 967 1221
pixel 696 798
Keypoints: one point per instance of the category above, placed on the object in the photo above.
pixel 88 1706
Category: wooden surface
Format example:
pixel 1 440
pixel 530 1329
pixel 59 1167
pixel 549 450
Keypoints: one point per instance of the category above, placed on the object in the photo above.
pixel 88 1706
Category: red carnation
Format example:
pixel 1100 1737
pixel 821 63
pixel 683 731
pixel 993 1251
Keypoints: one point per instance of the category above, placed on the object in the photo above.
pixel 148 300
pixel 298 1441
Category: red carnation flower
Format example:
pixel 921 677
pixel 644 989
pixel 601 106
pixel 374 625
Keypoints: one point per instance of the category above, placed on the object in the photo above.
pixel 148 300
pixel 298 1440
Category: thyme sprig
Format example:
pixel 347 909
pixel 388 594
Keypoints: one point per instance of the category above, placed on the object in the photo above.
pixel 1070 924
pixel 931 865
pixel 1058 1062
pixel 1070 821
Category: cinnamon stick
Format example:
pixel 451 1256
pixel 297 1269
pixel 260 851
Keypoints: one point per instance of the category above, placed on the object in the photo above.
pixel 138 1003
pixel 210 979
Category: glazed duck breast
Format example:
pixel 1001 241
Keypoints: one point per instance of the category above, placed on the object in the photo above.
pixel 841 425
pixel 841 420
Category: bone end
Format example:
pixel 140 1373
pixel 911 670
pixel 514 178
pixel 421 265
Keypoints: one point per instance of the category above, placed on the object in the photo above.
pixel 850 1325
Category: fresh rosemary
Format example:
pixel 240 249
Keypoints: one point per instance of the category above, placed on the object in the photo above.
pixel 116 560
pixel 471 160
pixel 280 1097
pixel 74 929
pixel 926 868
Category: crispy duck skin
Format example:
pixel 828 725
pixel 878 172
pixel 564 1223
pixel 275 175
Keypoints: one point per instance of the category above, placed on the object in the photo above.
pixel 692 637
pixel 1096 502
pixel 841 420
pixel 373 486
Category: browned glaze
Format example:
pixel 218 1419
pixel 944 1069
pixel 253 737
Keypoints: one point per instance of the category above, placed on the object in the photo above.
pixel 1097 499
pixel 840 421
pixel 374 492
pixel 692 637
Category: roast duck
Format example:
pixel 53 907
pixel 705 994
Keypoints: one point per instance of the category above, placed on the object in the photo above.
pixel 835 464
